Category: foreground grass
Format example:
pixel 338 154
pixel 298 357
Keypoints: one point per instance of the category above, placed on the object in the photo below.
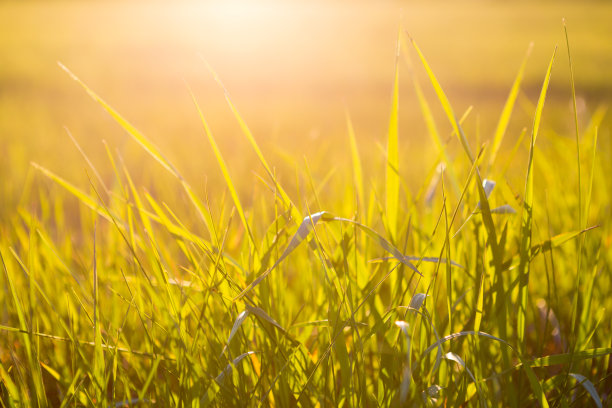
pixel 488 285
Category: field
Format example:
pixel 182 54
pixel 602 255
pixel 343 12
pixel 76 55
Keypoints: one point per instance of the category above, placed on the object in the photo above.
pixel 314 204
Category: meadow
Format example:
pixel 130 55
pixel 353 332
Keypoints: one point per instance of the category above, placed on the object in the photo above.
pixel 311 205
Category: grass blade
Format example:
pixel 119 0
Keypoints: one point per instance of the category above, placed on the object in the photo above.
pixel 392 182
pixel 504 119
pixel 237 323
pixel 588 385
pixel 301 234
pixel 454 357
pixel 247 133
pixel 149 148
pixel 226 175
pixel 132 131
pixel 527 215
pixel 445 103
pixel 357 171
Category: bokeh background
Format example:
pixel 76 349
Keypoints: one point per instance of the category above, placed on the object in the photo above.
pixel 293 69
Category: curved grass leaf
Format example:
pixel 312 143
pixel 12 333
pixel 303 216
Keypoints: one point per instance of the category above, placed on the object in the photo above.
pixel 304 230
pixel 237 323
pixel 417 301
pixel 503 209
pixel 454 357
pixel 407 373
pixel 588 385
pixel 420 259
pixel 536 387
pixel 228 369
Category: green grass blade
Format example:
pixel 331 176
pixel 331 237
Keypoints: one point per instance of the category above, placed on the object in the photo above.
pixel 527 215
pixel 577 133
pixel 34 377
pixel 99 380
pixel 566 358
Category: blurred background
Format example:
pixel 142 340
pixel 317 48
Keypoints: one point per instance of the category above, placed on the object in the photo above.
pixel 293 69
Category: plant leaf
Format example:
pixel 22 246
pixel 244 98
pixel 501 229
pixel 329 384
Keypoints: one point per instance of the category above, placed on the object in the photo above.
pixel 588 385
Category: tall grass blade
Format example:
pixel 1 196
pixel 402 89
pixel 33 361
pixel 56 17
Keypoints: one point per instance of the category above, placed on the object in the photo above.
pixel 432 129
pixel 35 375
pixel 445 103
pixel 132 131
pixel 527 215
pixel 356 160
pixel 504 119
pixel 226 175
pixel 149 148
pixel 577 133
pixel 392 182
pixel 247 133
pixel 98 360
pixel 496 251
pixel 566 358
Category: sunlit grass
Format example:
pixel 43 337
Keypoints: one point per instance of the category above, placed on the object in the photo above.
pixel 336 285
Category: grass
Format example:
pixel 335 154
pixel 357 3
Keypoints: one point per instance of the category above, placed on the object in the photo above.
pixel 336 286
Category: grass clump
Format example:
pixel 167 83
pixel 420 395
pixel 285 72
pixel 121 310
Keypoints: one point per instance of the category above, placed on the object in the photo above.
pixel 487 286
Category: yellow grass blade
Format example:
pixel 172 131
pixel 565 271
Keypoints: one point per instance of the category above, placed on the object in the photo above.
pixel 80 195
pixel 445 103
pixel 149 148
pixel 504 119
pixel 225 171
pixel 132 131
pixel 249 135
pixel 356 160
pixel 392 182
